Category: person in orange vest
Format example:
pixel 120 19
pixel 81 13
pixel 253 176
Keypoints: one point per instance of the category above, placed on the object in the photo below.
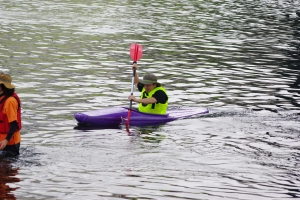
pixel 10 117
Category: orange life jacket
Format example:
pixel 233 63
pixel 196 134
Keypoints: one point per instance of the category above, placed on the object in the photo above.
pixel 4 124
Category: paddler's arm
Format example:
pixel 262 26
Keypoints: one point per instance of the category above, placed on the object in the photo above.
pixel 12 130
pixel 145 101
pixel 136 77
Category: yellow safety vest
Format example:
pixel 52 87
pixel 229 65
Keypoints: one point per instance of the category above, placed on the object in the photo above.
pixel 154 108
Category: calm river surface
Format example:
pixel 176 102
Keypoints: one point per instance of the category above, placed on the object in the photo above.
pixel 238 58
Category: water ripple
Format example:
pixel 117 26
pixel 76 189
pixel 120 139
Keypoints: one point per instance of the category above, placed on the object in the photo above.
pixel 238 58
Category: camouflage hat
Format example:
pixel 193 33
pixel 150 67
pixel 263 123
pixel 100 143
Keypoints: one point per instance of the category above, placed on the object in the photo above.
pixel 149 79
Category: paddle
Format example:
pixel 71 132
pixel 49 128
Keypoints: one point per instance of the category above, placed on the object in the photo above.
pixel 136 52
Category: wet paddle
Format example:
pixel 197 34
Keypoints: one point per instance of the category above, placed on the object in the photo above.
pixel 136 52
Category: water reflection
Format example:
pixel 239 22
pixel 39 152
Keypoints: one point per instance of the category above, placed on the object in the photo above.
pixel 150 134
pixel 147 134
pixel 86 127
pixel 7 178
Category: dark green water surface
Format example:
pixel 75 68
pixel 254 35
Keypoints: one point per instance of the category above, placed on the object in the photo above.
pixel 240 59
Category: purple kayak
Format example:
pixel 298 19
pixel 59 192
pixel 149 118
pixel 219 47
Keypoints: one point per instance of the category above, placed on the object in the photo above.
pixel 114 116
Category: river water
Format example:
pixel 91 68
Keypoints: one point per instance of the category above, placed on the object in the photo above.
pixel 240 59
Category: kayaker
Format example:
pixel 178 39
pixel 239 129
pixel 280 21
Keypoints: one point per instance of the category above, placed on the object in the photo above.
pixel 153 98
pixel 10 117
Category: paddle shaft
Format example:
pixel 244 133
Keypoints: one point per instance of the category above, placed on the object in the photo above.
pixel 132 85
pixel 136 52
pixel 135 58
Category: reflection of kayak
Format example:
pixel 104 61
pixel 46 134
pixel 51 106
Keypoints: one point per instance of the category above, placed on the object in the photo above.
pixel 117 115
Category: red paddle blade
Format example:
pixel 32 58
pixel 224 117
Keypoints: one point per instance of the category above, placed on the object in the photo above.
pixel 128 117
pixel 136 52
